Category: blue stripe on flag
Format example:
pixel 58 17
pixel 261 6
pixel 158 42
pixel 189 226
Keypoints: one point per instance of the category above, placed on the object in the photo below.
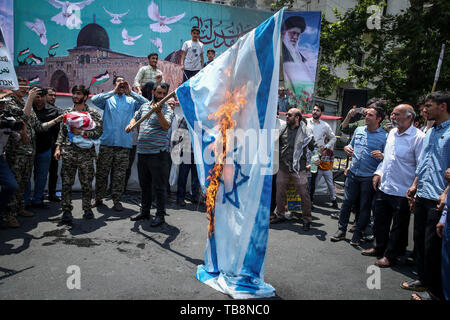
pixel 264 53
pixel 184 94
pixel 252 265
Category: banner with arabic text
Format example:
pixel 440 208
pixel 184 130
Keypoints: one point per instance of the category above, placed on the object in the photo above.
pixel 300 34
pixel 63 43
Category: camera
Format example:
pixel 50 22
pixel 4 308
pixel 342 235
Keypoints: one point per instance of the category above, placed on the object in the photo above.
pixel 8 119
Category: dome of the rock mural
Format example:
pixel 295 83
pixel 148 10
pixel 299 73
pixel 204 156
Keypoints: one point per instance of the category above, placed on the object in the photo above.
pixel 93 35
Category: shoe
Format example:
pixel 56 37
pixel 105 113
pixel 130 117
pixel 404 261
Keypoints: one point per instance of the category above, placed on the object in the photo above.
pixel 67 217
pixel 11 222
pixel 159 220
pixel 335 216
pixel 181 203
pixel 118 206
pixel 306 226
pixel 88 214
pixel 352 229
pixel 372 252
pixel 96 203
pixel 356 239
pixel 141 216
pixel 383 263
pixel 54 198
pixel 369 238
pixel 277 220
pixel 338 236
pixel 40 205
pixel 414 285
pixel 334 205
pixel 288 215
pixel 25 213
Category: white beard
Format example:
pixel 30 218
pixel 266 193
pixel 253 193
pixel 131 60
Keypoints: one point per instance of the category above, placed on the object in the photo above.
pixel 293 49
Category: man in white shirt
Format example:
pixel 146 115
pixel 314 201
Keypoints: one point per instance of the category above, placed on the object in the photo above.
pixel 321 130
pixel 192 58
pixel 394 176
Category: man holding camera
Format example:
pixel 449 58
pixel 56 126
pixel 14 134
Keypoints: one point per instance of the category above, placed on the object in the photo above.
pixel 8 128
pixel 44 142
pixel 20 155
pixel 119 107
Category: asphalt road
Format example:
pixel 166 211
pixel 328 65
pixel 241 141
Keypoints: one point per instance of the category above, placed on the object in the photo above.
pixel 121 259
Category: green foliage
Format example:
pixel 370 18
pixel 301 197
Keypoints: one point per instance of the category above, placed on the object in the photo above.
pixel 400 58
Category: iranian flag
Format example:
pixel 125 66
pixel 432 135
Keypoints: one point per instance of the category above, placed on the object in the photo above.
pixel 21 53
pixel 56 45
pixel 35 59
pixel 33 81
pixel 99 79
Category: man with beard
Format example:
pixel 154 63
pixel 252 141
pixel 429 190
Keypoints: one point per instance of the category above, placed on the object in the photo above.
pixel 53 170
pixel 153 156
pixel 392 179
pixel 366 149
pixel 119 107
pixel 294 141
pixel 428 194
pixel 321 131
pixel 294 63
pixel 76 158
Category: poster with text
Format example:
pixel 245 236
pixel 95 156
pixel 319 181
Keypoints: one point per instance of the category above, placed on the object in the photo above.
pixel 63 43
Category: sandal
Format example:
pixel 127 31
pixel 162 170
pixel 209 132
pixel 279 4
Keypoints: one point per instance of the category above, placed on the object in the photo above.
pixel 422 296
pixel 414 285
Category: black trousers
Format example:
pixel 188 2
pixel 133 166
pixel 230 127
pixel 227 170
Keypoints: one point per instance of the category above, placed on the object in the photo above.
pixel 391 241
pixel 52 173
pixel 273 198
pixel 153 169
pixel 428 245
pixel 312 190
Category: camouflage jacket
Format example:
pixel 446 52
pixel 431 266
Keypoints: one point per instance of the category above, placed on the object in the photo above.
pixel 33 125
pixel 63 137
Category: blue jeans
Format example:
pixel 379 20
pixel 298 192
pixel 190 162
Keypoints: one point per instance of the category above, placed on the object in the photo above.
pixel 183 173
pixel 8 184
pixel 356 187
pixel 41 166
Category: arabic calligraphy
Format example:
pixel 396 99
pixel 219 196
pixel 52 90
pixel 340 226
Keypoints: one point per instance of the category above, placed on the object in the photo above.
pixel 4 70
pixel 219 34
pixel 4 59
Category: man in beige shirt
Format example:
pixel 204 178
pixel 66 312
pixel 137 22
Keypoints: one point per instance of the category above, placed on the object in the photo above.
pixel 148 73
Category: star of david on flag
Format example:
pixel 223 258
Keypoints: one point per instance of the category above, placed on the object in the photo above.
pixel 245 78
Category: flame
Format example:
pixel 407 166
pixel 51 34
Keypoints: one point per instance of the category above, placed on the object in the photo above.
pixel 234 102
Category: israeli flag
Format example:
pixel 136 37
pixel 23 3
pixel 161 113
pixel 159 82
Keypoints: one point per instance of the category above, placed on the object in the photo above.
pixel 235 252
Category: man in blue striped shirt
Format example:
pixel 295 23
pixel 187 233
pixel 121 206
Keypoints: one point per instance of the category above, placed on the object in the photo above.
pixel 153 154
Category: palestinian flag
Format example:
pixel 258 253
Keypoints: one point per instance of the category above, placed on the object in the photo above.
pixel 35 59
pixel 33 81
pixel 21 53
pixel 56 45
pixel 100 79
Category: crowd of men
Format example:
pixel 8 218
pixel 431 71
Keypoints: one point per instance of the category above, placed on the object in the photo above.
pixel 396 168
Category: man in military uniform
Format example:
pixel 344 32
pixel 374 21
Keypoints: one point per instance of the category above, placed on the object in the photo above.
pixel 19 155
pixel 77 158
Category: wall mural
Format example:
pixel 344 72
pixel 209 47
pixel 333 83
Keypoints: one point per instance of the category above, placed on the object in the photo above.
pixel 63 43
